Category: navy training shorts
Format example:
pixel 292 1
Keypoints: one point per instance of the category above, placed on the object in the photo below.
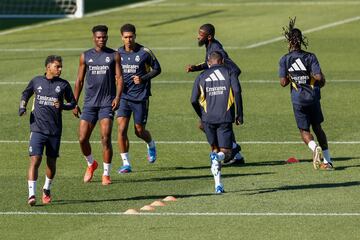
pixel 38 141
pixel 220 135
pixel 308 115
pixel 139 109
pixel 93 114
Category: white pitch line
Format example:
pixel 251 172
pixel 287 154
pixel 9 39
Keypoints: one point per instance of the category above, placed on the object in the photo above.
pixel 191 142
pixel 191 82
pixel 316 29
pixel 58 21
pixel 215 214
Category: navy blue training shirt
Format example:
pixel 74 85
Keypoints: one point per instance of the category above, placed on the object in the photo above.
pixel 45 117
pixel 214 93
pixel 100 85
pixel 299 67
pixel 215 45
pixel 139 62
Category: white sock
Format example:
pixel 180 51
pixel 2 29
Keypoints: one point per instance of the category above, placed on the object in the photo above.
pixel 47 184
pixel 125 158
pixel 234 145
pixel 312 145
pixel 31 187
pixel 89 159
pixel 151 144
pixel 107 169
pixel 327 158
pixel 216 171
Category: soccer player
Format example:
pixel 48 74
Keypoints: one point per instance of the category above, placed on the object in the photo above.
pixel 139 66
pixel 103 87
pixel 46 122
pixel 216 96
pixel 302 71
pixel 206 37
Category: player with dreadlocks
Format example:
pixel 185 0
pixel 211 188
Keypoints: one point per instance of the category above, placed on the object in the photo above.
pixel 302 71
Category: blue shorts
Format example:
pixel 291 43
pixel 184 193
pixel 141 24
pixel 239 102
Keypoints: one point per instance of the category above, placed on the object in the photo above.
pixel 93 114
pixel 308 115
pixel 38 141
pixel 220 135
pixel 140 110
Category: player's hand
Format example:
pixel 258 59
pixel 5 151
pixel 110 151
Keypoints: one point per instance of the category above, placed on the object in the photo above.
pixel 76 111
pixel 137 79
pixel 57 104
pixel 189 68
pixel 115 103
pixel 22 111
pixel 201 126
pixel 239 120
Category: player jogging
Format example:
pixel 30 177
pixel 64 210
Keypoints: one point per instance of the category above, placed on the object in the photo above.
pixel 46 122
pixel 216 97
pixel 206 37
pixel 101 67
pixel 139 66
pixel 302 71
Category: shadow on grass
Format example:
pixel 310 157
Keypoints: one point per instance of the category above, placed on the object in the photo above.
pixel 180 178
pixel 283 162
pixel 302 187
pixel 148 197
pixel 185 18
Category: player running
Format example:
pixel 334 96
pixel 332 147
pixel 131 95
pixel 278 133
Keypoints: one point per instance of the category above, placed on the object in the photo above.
pixel 216 96
pixel 302 71
pixel 46 122
pixel 206 37
pixel 103 87
pixel 139 66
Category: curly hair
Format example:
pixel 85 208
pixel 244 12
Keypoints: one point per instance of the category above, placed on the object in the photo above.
pixel 294 36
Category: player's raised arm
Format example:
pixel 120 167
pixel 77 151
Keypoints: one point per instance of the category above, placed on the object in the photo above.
pixel 119 81
pixel 79 84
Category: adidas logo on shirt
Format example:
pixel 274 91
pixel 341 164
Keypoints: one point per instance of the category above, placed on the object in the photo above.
pixel 90 61
pixel 215 76
pixel 297 66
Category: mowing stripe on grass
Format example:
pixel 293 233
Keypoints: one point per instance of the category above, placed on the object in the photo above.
pixel 97 13
pixel 191 82
pixel 190 142
pixel 316 29
pixel 299 3
pixel 215 214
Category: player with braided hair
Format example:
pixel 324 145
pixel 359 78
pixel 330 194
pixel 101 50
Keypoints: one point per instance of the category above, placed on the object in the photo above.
pixel 302 71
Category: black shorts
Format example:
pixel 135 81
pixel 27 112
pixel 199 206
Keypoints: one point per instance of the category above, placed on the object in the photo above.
pixel 93 114
pixel 220 135
pixel 308 115
pixel 140 110
pixel 38 141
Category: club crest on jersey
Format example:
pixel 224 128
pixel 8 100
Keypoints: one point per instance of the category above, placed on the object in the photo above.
pixel 39 89
pixel 57 89
pixel 107 59
pixel 137 58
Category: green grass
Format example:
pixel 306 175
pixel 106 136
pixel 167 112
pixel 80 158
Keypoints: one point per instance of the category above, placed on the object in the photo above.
pixel 264 185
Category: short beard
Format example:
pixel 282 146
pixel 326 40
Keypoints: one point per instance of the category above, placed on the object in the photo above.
pixel 203 42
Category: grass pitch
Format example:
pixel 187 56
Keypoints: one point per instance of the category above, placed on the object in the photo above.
pixel 265 199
